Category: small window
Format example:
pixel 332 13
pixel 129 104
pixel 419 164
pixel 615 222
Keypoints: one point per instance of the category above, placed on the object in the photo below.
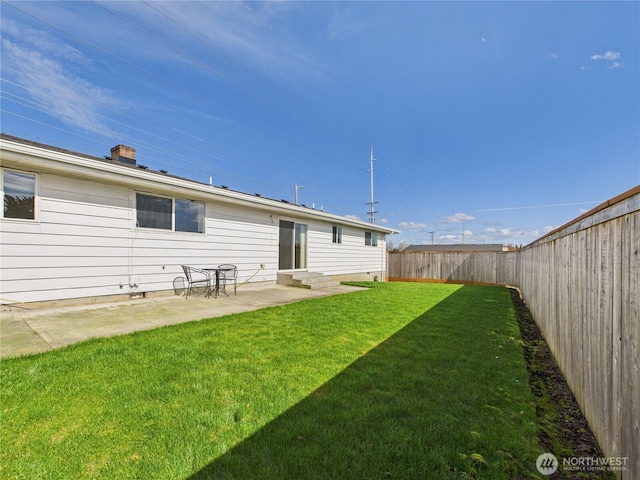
pixel 337 234
pixel 19 195
pixel 153 212
pixel 371 239
pixel 189 216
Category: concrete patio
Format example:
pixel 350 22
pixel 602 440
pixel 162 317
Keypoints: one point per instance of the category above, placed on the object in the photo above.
pixel 25 330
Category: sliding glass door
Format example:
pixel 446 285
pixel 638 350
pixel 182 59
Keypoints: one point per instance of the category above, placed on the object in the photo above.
pixel 292 246
pixel 300 245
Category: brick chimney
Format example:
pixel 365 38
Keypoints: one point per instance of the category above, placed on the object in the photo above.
pixel 124 154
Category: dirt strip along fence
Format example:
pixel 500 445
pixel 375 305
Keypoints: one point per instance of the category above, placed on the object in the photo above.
pixel 581 282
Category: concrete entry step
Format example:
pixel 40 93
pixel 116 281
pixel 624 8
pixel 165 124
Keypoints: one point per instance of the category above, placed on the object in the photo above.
pixel 313 280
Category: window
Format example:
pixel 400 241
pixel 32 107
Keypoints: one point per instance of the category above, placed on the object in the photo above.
pixel 153 212
pixel 371 239
pixel 337 234
pixel 19 191
pixel 159 212
pixel 189 216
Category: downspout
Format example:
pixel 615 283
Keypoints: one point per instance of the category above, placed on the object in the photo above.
pixel 133 233
pixel 383 270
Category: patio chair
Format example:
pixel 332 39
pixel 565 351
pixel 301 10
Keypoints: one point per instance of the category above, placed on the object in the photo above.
pixel 197 277
pixel 228 274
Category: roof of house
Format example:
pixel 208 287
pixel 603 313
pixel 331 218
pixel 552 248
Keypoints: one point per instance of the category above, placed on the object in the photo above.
pixel 466 247
pixel 29 153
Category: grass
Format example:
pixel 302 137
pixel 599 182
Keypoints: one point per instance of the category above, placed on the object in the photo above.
pixel 398 381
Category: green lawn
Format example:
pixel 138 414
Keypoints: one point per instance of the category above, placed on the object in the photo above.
pixel 403 380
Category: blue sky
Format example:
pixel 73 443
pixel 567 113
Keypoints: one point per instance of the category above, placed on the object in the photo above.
pixel 494 120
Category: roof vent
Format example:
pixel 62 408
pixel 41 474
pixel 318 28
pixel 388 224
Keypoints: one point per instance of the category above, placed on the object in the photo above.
pixel 124 154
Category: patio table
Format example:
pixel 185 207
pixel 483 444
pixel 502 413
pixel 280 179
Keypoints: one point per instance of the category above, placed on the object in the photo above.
pixel 213 271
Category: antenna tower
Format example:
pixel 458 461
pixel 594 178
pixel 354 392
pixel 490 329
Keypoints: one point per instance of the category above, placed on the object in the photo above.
pixel 371 203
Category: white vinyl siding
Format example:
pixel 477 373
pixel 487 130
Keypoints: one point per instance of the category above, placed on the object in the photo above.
pixel 78 246
pixel 349 257
pixel 85 243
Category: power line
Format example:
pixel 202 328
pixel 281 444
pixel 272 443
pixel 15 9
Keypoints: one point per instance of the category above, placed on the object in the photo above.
pixel 408 190
pixel 394 176
pixel 170 83
pixel 222 155
pixel 251 72
pixel 190 169
pixel 167 82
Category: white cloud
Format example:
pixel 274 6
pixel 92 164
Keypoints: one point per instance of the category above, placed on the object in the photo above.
pixel 609 55
pixel 345 25
pixel 500 235
pixel 543 231
pixel 353 217
pixel 255 35
pixel 458 218
pixel 382 221
pixel 52 74
pixel 412 225
pixel 500 209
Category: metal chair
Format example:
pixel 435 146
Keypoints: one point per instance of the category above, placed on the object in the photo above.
pixel 227 273
pixel 197 277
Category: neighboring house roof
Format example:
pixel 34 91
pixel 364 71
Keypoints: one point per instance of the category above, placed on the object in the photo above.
pixel 466 247
pixel 32 154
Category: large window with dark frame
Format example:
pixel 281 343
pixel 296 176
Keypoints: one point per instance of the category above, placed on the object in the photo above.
pixel 189 216
pixel 153 212
pixel 19 192
pixel 165 213
pixel 371 239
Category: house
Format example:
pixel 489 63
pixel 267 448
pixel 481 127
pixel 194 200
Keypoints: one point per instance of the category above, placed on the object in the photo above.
pixel 76 226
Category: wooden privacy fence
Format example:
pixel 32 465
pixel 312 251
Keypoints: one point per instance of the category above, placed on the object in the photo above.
pixel 582 285
pixel 482 267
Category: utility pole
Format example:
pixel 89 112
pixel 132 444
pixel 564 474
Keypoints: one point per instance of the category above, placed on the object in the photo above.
pixel 295 190
pixel 463 233
pixel 371 203
pixel 431 233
